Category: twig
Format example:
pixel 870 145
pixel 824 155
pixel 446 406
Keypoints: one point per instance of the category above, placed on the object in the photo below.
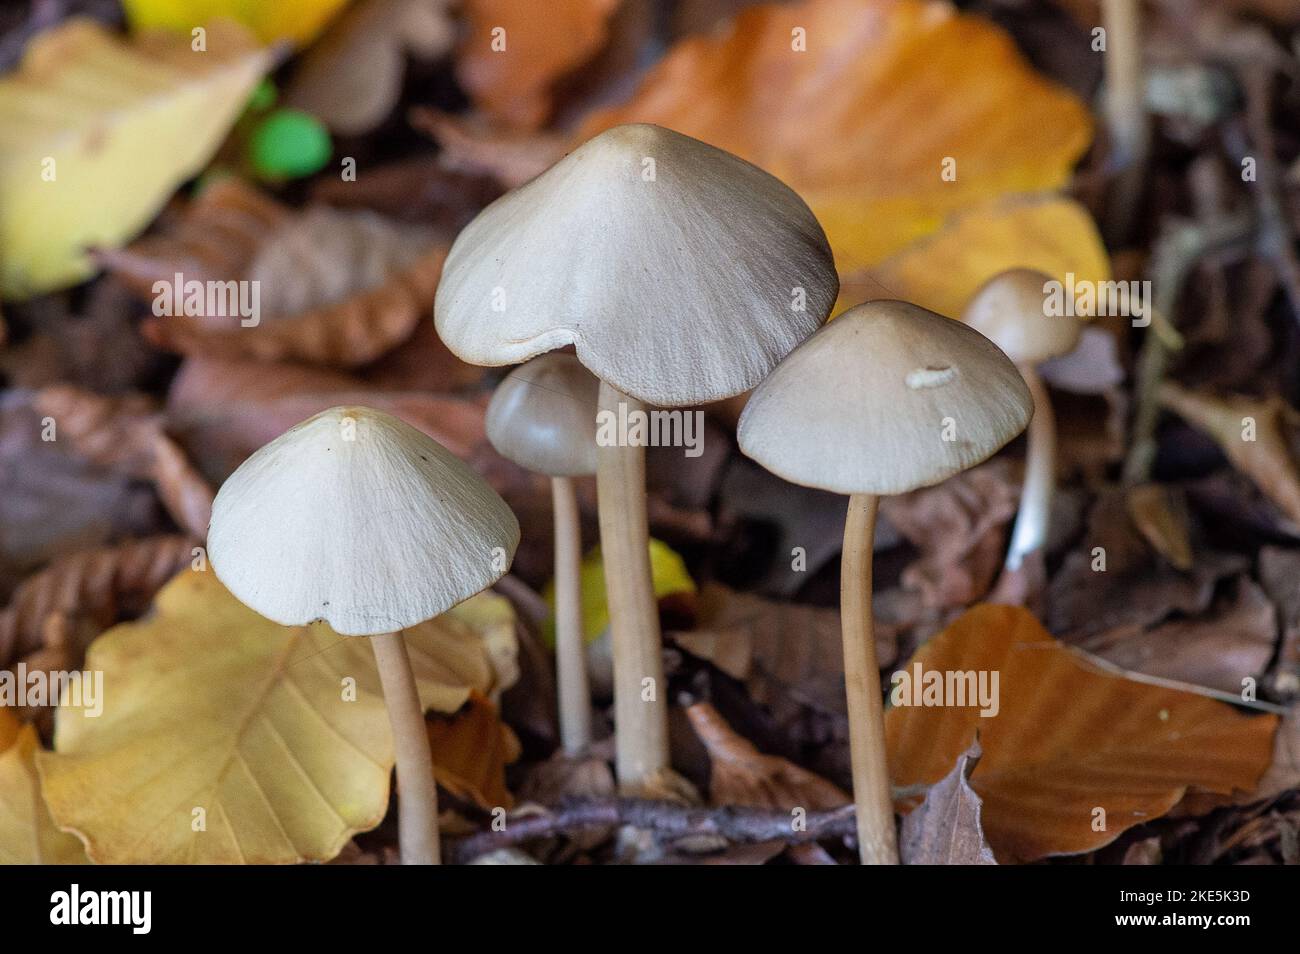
pixel 670 821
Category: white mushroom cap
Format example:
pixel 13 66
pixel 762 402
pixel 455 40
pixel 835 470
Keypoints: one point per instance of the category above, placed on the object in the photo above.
pixel 1010 309
pixel 680 273
pixel 543 416
pixel 886 398
pixel 358 519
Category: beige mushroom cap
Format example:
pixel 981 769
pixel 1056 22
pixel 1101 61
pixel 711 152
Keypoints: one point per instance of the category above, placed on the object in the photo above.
pixel 1010 310
pixel 543 416
pixel 358 519
pixel 865 405
pixel 680 273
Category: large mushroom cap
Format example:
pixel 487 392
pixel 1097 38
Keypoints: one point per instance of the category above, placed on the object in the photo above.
pixel 358 519
pixel 681 273
pixel 543 416
pixel 886 398
pixel 1011 310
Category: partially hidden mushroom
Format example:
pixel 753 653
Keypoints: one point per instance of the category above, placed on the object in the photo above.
pixel 358 520
pixel 886 398
pixel 681 274
pixel 543 417
pixel 1011 310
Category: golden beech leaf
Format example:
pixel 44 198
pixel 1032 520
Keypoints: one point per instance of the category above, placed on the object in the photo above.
pixel 298 21
pixel 1069 740
pixel 847 101
pixel 227 738
pixel 28 835
pixel 515 52
pixel 471 751
pixel 1054 235
pixel 1253 433
pixel 78 170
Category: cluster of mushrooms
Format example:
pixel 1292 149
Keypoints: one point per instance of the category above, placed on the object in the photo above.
pixel 680 275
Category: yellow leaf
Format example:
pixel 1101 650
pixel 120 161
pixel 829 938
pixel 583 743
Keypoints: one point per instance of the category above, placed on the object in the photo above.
pixel 1054 235
pixel 298 21
pixel 219 720
pixel 862 106
pixel 97 133
pixel 667 569
pixel 27 833
pixel 1074 754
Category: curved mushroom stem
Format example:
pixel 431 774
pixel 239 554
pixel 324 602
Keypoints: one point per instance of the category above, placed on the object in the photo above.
pixel 1030 531
pixel 640 712
pixel 1125 112
pixel 877 836
pixel 417 792
pixel 570 646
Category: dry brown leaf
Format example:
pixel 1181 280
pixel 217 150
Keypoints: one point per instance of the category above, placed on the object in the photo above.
pixel 471 750
pixel 102 585
pixel 476 147
pixel 1219 650
pixel 779 650
pixel 1070 740
pixel 352 78
pixel 126 434
pixel 515 53
pixel 1160 515
pixel 1253 433
pixel 960 527
pixel 945 829
pixel 1283 773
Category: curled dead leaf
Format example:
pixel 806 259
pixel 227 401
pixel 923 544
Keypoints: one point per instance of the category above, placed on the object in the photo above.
pixel 945 829
pixel 471 750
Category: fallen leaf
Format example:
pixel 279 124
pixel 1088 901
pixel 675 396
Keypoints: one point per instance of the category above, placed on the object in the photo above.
pixel 943 271
pixel 1283 773
pixel 779 650
pixel 825 94
pixel 75 174
pixel 1254 434
pixel 1160 515
pixel 28 835
pixel 515 53
pixel 960 527
pixel 471 751
pixel 473 146
pixel 250 721
pixel 298 21
pixel 1069 740
pixel 945 829
pixel 126 434
pixel 351 80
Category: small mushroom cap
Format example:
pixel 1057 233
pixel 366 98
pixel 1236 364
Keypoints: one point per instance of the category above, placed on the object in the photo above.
pixel 1010 310
pixel 886 398
pixel 358 519
pixel 680 273
pixel 543 416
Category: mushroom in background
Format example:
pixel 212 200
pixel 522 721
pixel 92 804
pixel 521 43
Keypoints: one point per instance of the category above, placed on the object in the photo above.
pixel 359 520
pixel 543 417
pixel 887 398
pixel 1010 310
pixel 681 274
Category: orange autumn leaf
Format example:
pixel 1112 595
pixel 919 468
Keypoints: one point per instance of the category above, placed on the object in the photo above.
pixel 1068 738
pixel 516 52
pixel 862 106
pixel 471 751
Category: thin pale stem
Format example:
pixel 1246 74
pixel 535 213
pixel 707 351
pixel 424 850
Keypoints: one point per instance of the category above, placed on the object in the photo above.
pixel 570 644
pixel 417 792
pixel 640 711
pixel 877 836
pixel 1125 113
pixel 1032 519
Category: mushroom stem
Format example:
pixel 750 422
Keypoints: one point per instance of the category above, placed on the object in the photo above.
pixel 877 837
pixel 641 723
pixel 417 792
pixel 1030 531
pixel 1125 112
pixel 570 648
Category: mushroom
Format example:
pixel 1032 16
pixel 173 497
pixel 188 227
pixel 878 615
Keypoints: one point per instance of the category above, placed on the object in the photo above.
pixel 359 520
pixel 886 398
pixel 543 417
pixel 1010 310
pixel 681 274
